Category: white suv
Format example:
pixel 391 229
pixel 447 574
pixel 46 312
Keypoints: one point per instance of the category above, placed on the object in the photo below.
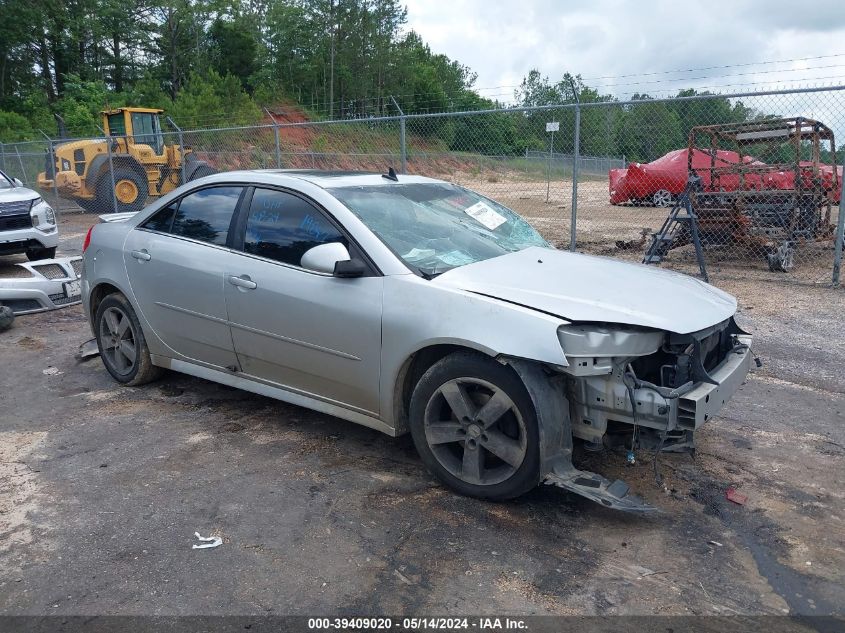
pixel 27 222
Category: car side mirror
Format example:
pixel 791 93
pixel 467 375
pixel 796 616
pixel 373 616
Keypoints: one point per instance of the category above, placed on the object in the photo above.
pixel 350 268
pixel 333 259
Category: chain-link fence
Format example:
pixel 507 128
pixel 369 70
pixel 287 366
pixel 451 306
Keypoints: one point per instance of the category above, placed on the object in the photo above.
pixel 738 185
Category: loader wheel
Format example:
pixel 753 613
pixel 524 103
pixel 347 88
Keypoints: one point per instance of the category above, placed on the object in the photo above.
pixel 202 171
pixel 130 191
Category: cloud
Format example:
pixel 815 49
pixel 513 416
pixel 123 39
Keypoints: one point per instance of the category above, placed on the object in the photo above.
pixel 605 39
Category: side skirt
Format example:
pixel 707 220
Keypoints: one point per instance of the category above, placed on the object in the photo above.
pixel 277 393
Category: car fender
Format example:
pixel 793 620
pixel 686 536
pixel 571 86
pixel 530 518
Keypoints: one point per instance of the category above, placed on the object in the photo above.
pixel 418 314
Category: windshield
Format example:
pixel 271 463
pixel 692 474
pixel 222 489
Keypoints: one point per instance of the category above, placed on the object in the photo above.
pixel 434 227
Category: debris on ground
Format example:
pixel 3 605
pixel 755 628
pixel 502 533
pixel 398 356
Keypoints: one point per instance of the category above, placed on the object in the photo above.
pixel 51 371
pixel 735 496
pixel 88 350
pixel 7 317
pixel 207 541
pixel 716 543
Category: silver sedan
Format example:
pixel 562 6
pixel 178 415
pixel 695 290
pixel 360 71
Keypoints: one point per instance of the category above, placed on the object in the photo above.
pixel 408 304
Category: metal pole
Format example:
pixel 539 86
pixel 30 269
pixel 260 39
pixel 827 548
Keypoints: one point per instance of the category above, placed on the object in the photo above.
pixel 840 227
pixel 181 153
pixel 549 169
pixel 55 166
pixel 403 148
pixel 3 155
pixel 575 160
pixel 278 138
pixel 111 175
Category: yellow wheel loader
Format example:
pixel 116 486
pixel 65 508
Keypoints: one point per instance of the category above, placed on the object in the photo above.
pixel 141 164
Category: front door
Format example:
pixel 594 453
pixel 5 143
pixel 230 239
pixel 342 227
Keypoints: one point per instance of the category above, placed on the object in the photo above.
pixel 310 332
pixel 176 262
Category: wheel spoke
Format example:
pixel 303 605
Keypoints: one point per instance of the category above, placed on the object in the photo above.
pixel 119 360
pixel 111 321
pixel 457 399
pixel 503 447
pixel 123 325
pixel 444 433
pixel 473 463
pixel 493 409
pixel 128 350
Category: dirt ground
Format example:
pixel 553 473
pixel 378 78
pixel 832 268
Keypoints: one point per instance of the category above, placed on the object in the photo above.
pixel 102 488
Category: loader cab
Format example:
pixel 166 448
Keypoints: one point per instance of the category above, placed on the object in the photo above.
pixel 137 125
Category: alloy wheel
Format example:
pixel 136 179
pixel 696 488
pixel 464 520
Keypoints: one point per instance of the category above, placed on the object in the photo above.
pixel 118 341
pixel 475 431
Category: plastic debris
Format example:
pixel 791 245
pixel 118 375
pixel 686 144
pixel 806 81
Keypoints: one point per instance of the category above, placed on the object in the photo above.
pixel 207 541
pixel 735 496
pixel 632 459
pixel 716 543
pixel 51 371
pixel 88 350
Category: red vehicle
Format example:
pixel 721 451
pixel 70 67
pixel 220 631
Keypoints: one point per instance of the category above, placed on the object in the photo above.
pixel 658 182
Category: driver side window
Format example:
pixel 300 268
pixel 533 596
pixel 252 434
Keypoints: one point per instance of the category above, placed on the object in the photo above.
pixel 282 227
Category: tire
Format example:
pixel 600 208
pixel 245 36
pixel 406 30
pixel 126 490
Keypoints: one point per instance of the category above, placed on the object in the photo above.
pixel 116 324
pixel 34 254
pixel 127 183
pixel 201 172
pixel 662 198
pixel 7 318
pixel 466 452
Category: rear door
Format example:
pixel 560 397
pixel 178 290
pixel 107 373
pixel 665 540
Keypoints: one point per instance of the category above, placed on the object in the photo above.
pixel 311 332
pixel 176 262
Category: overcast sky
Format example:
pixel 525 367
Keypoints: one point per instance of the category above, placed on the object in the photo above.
pixel 501 40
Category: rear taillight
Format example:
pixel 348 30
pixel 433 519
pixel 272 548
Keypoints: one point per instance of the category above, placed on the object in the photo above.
pixel 87 240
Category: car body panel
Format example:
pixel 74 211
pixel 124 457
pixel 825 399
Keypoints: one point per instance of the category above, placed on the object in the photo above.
pixel 586 288
pixel 16 206
pixel 43 285
pixel 312 332
pixel 180 292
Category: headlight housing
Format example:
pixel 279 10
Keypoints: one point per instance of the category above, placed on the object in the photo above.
pixel 603 341
pixel 42 214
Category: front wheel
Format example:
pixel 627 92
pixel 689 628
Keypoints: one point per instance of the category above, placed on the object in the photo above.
pixel 475 427
pixel 121 342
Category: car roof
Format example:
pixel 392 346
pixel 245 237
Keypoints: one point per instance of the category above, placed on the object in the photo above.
pixel 331 179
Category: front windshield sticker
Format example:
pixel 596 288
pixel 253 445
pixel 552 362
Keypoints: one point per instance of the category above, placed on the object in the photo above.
pixel 418 254
pixel 456 258
pixel 485 215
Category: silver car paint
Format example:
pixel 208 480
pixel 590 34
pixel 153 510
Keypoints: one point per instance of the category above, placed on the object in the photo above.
pixel 593 289
pixel 462 307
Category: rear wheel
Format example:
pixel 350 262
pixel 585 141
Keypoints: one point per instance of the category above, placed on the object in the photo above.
pixel 121 342
pixel 202 171
pixel 475 427
pixel 130 191
pixel 662 198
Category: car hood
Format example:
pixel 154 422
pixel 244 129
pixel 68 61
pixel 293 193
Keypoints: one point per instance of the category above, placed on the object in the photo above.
pixel 16 194
pixel 586 288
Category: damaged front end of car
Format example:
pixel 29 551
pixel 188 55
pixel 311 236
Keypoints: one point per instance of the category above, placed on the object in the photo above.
pixel 632 388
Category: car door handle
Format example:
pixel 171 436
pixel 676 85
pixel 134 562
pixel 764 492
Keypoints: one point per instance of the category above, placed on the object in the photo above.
pixel 142 255
pixel 243 282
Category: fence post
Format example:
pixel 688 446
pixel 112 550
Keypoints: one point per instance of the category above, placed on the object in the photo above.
pixel 3 155
pixel 111 174
pixel 278 138
pixel 181 154
pixel 840 228
pixel 403 148
pixel 56 167
pixel 575 160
